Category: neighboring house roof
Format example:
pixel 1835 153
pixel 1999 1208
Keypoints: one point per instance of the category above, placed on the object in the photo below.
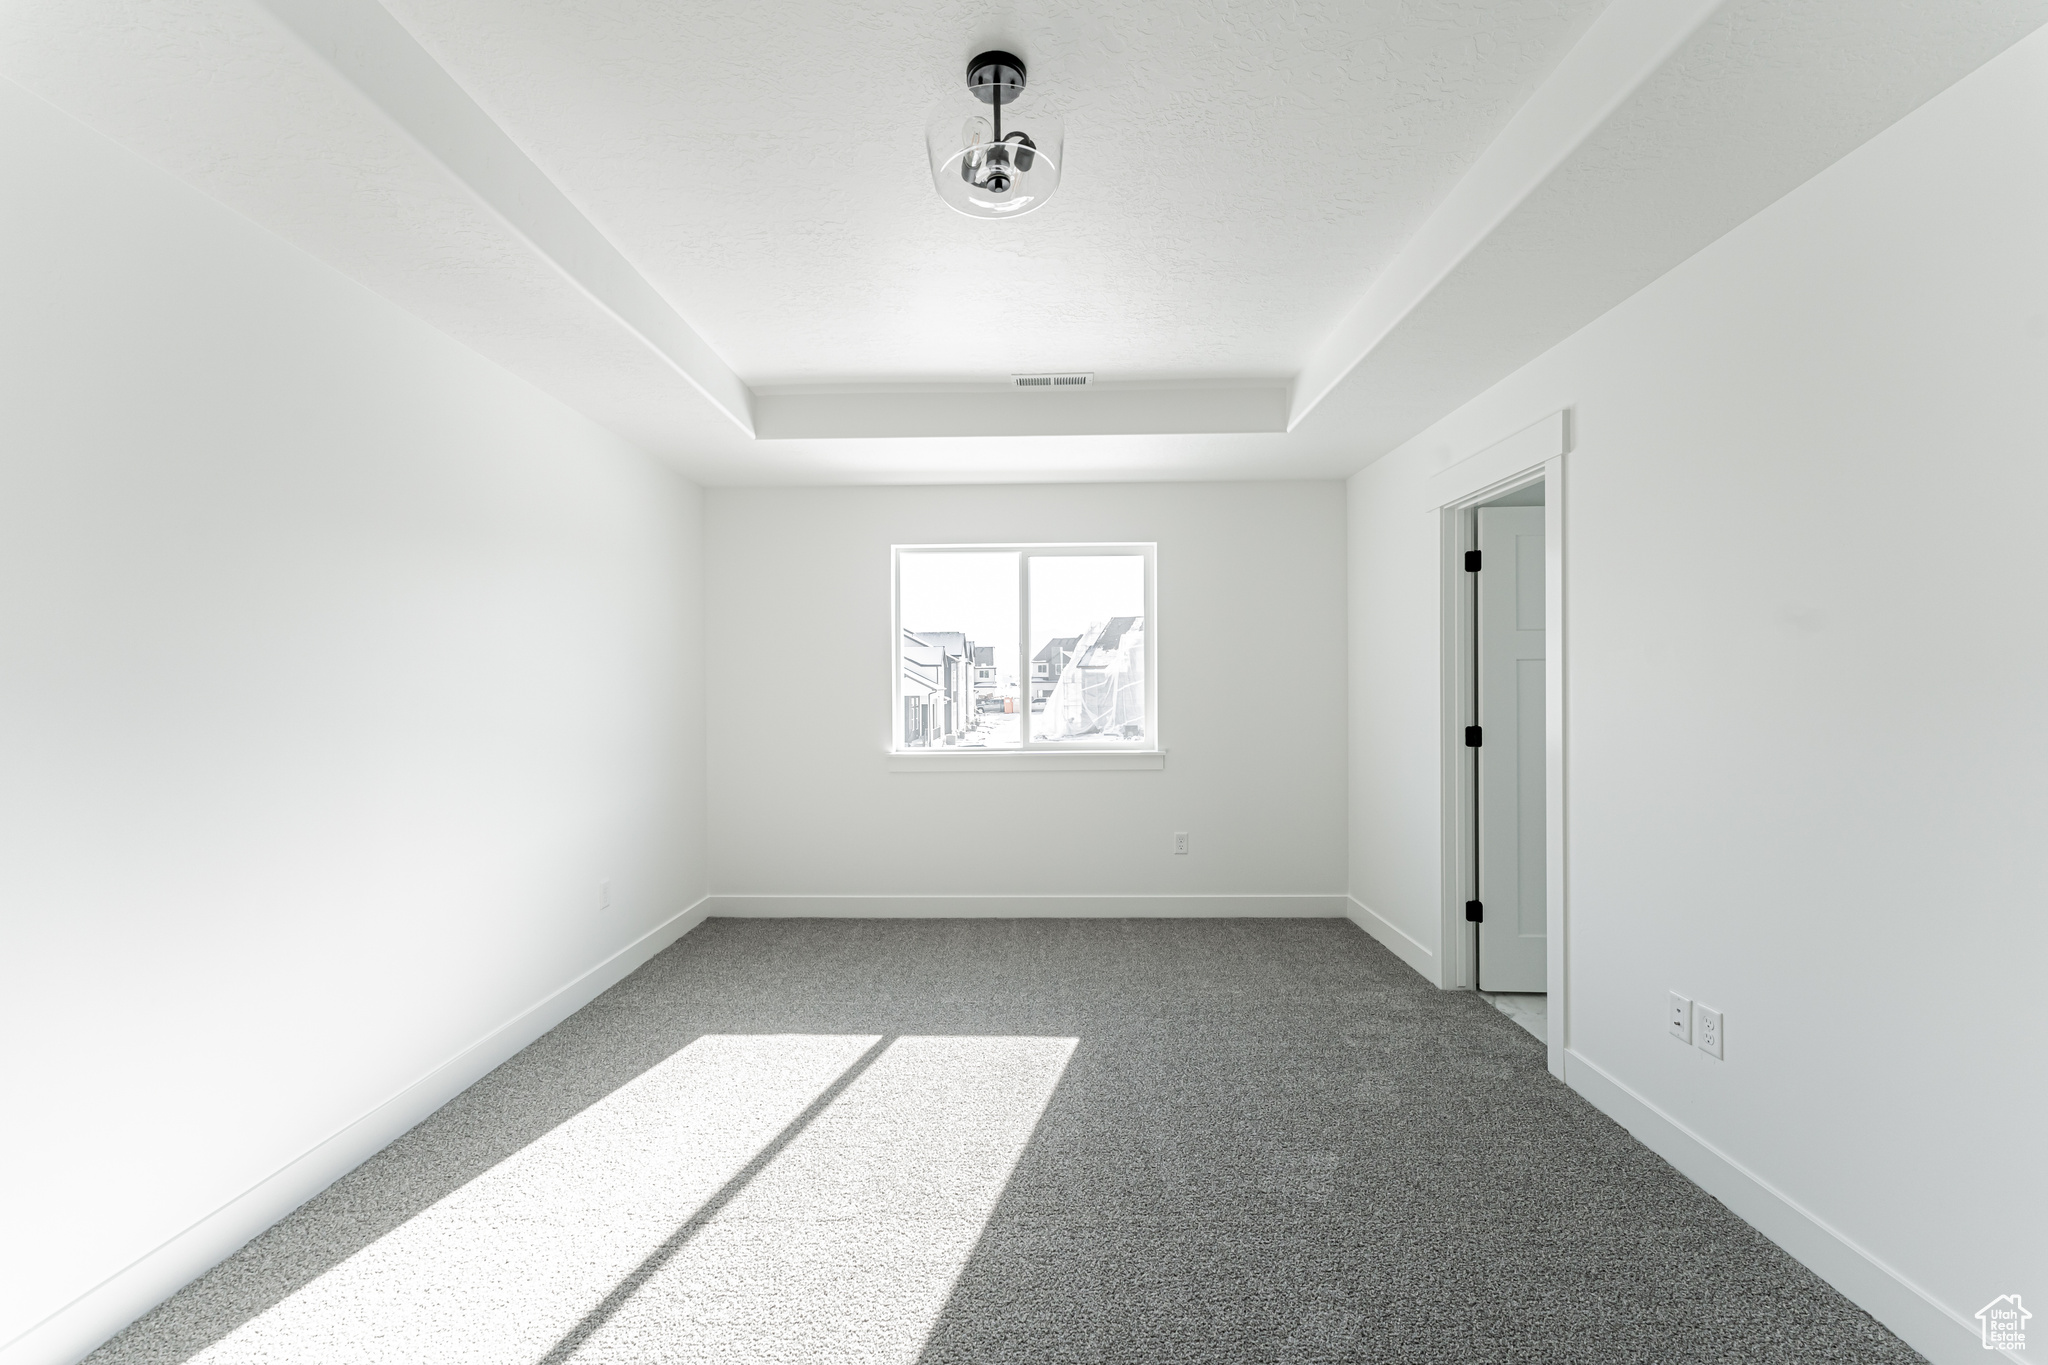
pixel 985 655
pixel 919 653
pixel 952 641
pixel 1062 644
pixel 922 666
pixel 1113 633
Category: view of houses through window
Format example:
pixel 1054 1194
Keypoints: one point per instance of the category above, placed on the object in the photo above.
pixel 958 675
pixel 1087 647
pixel 969 677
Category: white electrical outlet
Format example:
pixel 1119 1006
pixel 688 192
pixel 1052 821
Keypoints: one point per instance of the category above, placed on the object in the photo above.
pixel 604 895
pixel 1679 1018
pixel 1180 841
pixel 1709 1031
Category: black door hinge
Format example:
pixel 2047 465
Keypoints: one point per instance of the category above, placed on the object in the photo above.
pixel 1471 561
pixel 1475 912
pixel 1471 736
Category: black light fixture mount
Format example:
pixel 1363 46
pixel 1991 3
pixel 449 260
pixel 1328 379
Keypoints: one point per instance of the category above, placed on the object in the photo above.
pixel 981 168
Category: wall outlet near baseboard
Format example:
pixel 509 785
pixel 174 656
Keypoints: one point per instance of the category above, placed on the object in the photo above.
pixel 1678 1018
pixel 1709 1030
pixel 1180 841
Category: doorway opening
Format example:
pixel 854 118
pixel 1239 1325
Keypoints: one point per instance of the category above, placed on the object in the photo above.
pixel 1504 736
pixel 1503 727
pixel 1504 731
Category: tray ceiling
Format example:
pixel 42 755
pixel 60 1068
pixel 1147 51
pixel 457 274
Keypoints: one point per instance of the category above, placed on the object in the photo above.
pixel 1287 235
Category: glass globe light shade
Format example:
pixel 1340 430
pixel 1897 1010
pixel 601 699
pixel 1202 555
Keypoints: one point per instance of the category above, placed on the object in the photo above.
pixel 994 160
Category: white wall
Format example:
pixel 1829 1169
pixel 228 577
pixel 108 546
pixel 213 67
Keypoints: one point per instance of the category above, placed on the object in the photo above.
pixel 1808 753
pixel 1251 665
pixel 337 668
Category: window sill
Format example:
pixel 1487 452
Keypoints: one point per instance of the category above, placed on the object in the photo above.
pixel 1021 761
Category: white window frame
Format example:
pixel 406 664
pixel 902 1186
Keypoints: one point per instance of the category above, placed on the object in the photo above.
pixel 1039 755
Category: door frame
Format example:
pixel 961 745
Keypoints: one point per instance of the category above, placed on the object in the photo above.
pixel 1535 454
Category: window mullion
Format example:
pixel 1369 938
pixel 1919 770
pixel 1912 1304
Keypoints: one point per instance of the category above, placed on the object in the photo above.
pixel 896 659
pixel 1026 683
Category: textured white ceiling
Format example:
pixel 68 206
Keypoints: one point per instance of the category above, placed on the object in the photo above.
pixel 1762 96
pixel 1254 191
pixel 1236 172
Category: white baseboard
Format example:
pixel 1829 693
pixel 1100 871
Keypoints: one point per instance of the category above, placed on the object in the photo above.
pixel 1286 905
pixel 88 1320
pixel 1920 1320
pixel 1397 942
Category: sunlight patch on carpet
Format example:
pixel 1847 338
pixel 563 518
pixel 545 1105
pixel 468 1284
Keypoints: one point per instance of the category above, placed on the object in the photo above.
pixel 843 1246
pixel 848 1245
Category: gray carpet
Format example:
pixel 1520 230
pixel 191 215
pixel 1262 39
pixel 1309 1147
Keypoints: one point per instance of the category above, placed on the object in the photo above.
pixel 996 1141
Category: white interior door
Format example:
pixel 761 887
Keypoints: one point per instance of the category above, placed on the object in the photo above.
pixel 1511 886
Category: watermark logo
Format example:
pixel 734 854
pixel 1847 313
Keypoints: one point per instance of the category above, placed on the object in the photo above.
pixel 2005 1323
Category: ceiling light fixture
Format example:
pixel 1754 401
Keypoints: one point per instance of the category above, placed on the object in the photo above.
pixel 981 169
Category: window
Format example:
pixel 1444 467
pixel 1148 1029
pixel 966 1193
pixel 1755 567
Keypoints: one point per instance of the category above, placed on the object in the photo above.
pixel 1025 647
